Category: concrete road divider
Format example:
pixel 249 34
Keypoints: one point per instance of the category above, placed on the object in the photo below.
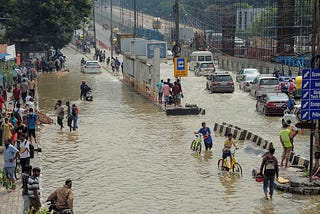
pixel 242 134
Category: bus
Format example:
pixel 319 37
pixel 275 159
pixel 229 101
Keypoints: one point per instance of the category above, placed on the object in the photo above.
pixel 199 56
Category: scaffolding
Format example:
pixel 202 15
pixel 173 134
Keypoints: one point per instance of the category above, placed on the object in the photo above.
pixel 261 30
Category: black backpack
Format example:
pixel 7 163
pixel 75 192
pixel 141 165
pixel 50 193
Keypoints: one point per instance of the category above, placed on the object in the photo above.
pixel 270 167
pixel 31 147
pixel 17 115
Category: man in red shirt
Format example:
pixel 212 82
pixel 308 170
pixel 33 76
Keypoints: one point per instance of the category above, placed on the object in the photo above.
pixel 2 103
pixel 176 92
pixel 16 95
pixel 166 93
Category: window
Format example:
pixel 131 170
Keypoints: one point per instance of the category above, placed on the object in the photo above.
pixel 201 58
pixel 223 78
pixel 269 82
pixel 208 58
pixel 206 65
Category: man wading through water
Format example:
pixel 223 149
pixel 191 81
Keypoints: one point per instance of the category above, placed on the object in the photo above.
pixel 69 115
pixel 60 113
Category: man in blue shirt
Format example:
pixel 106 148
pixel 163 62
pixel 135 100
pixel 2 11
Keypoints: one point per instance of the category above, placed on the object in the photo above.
pixel 291 102
pixel 32 119
pixel 206 133
pixel 160 92
pixel 11 154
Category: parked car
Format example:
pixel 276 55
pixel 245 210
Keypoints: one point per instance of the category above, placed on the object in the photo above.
pixel 272 103
pixel 246 82
pixel 91 67
pixel 204 68
pixel 220 82
pixel 264 84
pixel 169 55
pixel 246 71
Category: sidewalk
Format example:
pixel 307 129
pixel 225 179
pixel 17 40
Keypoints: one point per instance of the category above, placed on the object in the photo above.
pixel 297 183
pixel 12 202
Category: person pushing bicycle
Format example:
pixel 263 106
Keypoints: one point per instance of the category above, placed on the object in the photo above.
pixel 226 151
pixel 206 133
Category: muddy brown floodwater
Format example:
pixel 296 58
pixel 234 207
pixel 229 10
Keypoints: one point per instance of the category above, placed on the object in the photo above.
pixel 129 157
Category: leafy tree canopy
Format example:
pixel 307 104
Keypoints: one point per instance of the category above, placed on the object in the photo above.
pixel 45 23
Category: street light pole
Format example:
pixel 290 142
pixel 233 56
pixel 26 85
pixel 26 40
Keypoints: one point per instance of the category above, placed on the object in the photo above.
pixel 94 26
pixel 111 29
pixel 135 18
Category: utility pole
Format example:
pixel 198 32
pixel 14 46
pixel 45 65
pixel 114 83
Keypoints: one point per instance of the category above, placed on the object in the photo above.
pixel 111 29
pixel 135 18
pixel 177 21
pixel 94 25
pixel 176 48
pixel 316 58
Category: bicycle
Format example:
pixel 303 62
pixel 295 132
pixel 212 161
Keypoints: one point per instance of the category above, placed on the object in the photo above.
pixel 196 143
pixel 18 170
pixel 223 164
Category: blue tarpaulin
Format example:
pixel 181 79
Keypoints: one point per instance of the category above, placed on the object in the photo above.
pixel 3 56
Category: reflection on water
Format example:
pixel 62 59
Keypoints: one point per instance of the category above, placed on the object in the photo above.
pixel 129 157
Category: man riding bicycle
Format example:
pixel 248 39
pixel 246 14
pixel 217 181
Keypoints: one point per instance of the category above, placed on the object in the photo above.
pixel 206 133
pixel 62 197
pixel 226 151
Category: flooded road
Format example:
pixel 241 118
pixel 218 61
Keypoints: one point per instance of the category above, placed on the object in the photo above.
pixel 129 157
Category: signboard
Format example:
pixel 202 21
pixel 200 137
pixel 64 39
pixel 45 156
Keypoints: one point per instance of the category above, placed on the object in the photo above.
pixel 310 100
pixel 161 45
pixel 180 67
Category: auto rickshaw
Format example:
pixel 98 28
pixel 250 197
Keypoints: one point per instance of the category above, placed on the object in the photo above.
pixel 298 91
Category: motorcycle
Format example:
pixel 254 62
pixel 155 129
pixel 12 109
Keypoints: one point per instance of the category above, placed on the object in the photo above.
pixel 89 96
pixel 53 209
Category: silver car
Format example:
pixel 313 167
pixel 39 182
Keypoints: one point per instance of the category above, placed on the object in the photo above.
pixel 264 84
pixel 204 68
pixel 220 82
pixel 246 82
pixel 246 71
pixel 91 67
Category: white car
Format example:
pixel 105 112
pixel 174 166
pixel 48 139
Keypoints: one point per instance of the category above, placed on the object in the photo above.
pixel 294 115
pixel 246 82
pixel 264 84
pixel 204 69
pixel 91 67
pixel 169 55
pixel 246 71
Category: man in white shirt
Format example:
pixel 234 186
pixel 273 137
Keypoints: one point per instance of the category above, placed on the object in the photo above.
pixel 19 110
pixel 24 152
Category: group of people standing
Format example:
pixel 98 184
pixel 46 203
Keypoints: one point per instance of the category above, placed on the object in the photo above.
pixel 269 168
pixel 170 93
pixel 72 115
pixel 100 55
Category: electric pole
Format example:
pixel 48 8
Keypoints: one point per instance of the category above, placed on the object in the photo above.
pixel 316 64
pixel 176 48
pixel 94 26
pixel 177 21
pixel 135 18
pixel 111 29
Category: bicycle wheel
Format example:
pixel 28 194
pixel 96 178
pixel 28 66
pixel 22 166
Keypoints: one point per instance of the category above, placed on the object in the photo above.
pixel 18 171
pixel 192 145
pixel 237 168
pixel 195 147
pixel 199 148
pixel 220 164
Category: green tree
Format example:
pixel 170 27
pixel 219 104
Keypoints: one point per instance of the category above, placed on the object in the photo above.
pixel 44 23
